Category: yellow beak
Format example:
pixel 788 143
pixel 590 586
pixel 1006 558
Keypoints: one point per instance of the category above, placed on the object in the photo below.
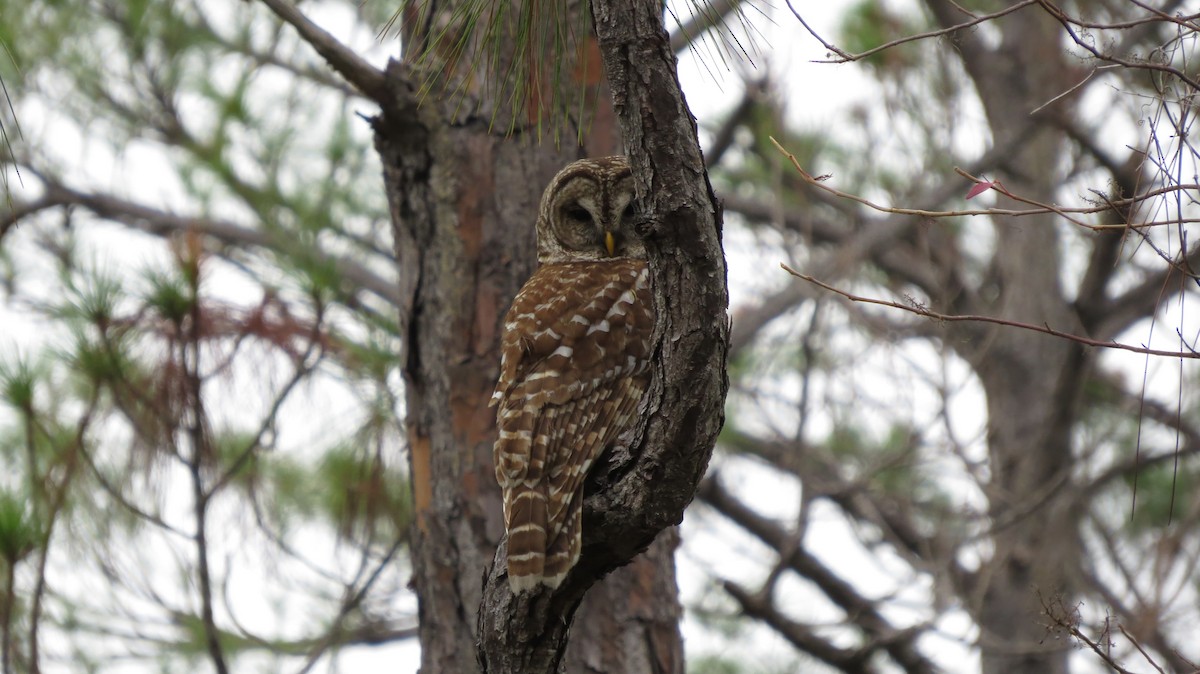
pixel 609 242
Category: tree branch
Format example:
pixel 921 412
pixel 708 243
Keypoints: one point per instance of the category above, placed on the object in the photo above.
pixel 949 318
pixel 851 661
pixel 19 211
pixel 1067 22
pixel 162 223
pixel 843 57
pixel 1067 619
pixel 753 92
pixel 313 74
pixel 365 77
pixel 860 611
pixel 821 476
pixel 1146 630
pixel 1039 208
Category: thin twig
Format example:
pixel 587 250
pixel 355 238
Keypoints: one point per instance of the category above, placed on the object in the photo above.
pixel 828 45
pixel 189 355
pixel 971 318
pixel 1082 82
pixel 1068 620
pixel 349 604
pixel 1039 207
pixel 912 38
pixel 1138 645
pixel 1067 21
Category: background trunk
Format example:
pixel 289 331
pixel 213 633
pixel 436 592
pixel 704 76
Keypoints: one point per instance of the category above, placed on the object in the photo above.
pixel 1032 381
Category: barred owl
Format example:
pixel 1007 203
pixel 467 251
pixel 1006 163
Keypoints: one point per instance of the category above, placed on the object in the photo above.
pixel 573 364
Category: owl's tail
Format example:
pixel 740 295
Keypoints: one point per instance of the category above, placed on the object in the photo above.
pixel 526 537
pixel 534 558
pixel 563 551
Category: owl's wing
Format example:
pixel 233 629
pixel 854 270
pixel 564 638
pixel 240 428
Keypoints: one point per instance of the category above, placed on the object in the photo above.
pixel 572 329
pixel 588 426
pixel 573 355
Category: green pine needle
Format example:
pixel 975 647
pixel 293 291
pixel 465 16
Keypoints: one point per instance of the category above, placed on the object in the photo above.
pixel 532 76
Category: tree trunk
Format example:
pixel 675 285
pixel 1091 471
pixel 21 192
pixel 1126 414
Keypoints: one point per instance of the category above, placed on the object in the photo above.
pixel 464 196
pixel 1032 381
pixel 643 488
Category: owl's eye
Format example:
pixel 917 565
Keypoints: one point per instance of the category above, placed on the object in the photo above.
pixel 630 212
pixel 578 214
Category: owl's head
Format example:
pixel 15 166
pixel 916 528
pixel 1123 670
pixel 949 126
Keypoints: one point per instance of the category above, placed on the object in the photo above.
pixel 588 213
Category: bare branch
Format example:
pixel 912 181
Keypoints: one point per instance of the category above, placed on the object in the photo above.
pixel 828 45
pixel 1138 646
pixel 19 211
pixel 921 36
pixel 1067 620
pixel 1040 208
pixel 1075 87
pixel 1132 615
pixel 851 661
pixel 753 92
pixel 950 318
pixel 1067 23
pixel 163 223
pixel 313 74
pixel 365 77
pixel 860 611
pixel 336 632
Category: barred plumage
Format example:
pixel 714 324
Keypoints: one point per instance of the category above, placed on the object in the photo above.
pixel 573 364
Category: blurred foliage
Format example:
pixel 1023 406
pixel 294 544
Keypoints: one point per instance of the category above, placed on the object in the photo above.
pixel 360 495
pixel 206 369
pixel 870 23
pixel 187 365
pixel 19 533
pixel 713 664
pixel 1166 495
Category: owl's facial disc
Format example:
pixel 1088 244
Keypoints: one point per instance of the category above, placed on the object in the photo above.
pixel 587 213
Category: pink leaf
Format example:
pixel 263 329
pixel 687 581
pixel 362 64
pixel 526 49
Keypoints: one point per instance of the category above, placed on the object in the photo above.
pixel 980 188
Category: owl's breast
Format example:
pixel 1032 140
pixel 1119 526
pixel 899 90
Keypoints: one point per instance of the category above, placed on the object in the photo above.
pixel 574 326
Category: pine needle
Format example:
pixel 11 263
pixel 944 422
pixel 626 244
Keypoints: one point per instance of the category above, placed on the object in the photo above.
pixel 531 46
pixel 12 155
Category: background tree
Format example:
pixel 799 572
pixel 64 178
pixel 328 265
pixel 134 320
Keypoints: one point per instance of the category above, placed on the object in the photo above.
pixel 1021 523
pixel 141 503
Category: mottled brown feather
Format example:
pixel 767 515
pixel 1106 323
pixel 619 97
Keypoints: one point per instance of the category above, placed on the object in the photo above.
pixel 573 368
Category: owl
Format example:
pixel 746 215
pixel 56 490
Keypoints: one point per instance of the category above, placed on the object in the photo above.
pixel 573 364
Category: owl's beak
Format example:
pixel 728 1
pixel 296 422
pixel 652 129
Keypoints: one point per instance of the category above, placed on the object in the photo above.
pixel 609 242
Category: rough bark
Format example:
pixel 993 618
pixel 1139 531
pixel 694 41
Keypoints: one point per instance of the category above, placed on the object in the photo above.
pixel 463 195
pixel 639 492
